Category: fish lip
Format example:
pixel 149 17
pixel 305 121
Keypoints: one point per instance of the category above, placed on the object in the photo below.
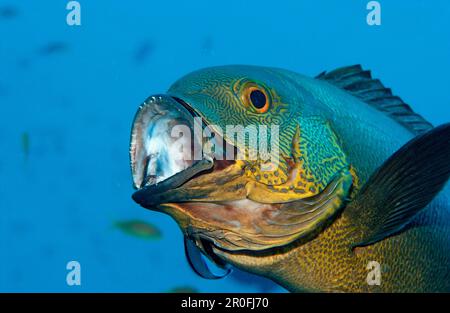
pixel 189 108
pixel 149 196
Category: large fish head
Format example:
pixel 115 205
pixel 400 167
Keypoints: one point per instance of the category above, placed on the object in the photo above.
pixel 241 158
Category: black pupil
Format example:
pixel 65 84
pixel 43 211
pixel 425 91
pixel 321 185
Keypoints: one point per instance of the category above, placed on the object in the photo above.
pixel 258 99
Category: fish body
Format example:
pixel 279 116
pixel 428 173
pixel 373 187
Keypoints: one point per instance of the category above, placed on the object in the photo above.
pixel 360 180
pixel 138 228
pixel 417 260
pixel 25 140
pixel 53 48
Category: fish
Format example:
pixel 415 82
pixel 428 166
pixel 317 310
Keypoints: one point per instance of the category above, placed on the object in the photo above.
pixel 53 48
pixel 350 197
pixel 25 141
pixel 8 12
pixel 139 229
pixel 144 51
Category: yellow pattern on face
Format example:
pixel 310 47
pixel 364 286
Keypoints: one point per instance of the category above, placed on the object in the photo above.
pixel 301 174
pixel 309 155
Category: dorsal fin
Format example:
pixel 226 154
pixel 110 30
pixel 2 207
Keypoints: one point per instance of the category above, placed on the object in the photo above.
pixel 360 83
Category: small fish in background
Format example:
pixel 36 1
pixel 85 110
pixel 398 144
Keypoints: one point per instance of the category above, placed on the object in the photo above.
pixel 8 12
pixel 52 48
pixel 207 46
pixel 183 289
pixel 144 51
pixel 25 142
pixel 139 229
pixel 24 63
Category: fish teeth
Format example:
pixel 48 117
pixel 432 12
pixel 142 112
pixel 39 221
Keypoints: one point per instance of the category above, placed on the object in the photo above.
pixel 151 99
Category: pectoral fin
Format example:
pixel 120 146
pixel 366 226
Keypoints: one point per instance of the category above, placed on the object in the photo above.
pixel 405 184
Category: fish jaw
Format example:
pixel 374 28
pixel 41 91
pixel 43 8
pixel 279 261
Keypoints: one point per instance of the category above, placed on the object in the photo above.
pixel 244 225
pixel 167 167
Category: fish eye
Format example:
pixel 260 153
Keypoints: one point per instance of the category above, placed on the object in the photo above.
pixel 257 98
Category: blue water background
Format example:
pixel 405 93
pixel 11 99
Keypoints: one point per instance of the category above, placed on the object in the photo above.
pixel 74 91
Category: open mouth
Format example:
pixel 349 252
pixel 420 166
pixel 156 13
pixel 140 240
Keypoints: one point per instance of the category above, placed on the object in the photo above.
pixel 168 149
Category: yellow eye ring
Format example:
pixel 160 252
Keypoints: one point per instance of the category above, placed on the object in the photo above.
pixel 256 97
